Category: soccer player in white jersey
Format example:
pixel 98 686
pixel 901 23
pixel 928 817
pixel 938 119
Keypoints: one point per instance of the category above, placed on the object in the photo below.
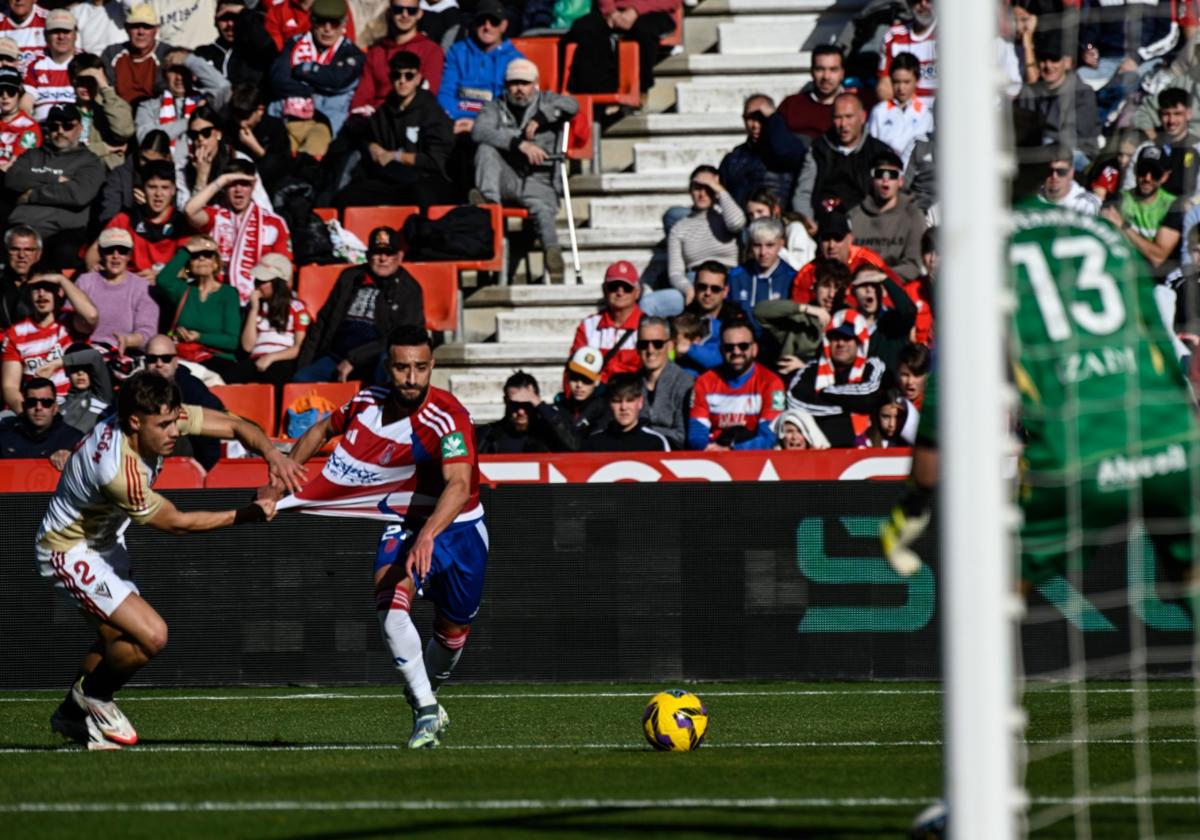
pixel 417 444
pixel 81 545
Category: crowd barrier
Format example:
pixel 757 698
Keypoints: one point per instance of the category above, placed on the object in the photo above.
pixel 656 581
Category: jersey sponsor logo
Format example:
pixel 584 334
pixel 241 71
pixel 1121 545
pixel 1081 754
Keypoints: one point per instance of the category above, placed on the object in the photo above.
pixel 1119 472
pixel 343 470
pixel 1091 364
pixel 29 140
pixel 454 446
pixel 778 400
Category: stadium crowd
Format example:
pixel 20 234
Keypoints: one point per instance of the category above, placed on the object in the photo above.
pixel 158 202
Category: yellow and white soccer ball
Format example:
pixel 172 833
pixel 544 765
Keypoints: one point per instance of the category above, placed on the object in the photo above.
pixel 675 720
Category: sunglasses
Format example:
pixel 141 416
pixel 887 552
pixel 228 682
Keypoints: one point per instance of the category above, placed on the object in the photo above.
pixel 44 402
pixel 116 249
pixel 138 27
pixel 65 125
pixel 405 75
pixel 618 286
pixel 159 358
pixel 651 343
pixel 702 288
pixel 696 186
pixel 8 90
pixel 885 174
pixel 1060 171
pixel 204 255
pixel 318 22
pixel 490 20
pixel 258 282
pixel 407 11
pixel 201 133
pixel 43 287
pixel 229 17
pixel 730 346
pixel 383 252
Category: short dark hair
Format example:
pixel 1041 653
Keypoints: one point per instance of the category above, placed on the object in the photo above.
pixel 1173 97
pixel 714 267
pixel 146 392
pixel 828 49
pixel 35 383
pixel 163 170
pixel 929 241
pixel 244 101
pixel 767 196
pixel 737 322
pixel 409 335
pixel 916 356
pixel 704 167
pixel 624 386
pixel 404 60
pixel 240 166
pixel 906 61
pixel 833 271
pixel 81 62
pixel 521 379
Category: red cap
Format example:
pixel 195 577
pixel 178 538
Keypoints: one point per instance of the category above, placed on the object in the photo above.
pixel 622 270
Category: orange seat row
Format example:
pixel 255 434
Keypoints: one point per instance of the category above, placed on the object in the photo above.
pixel 256 400
pixel 438 282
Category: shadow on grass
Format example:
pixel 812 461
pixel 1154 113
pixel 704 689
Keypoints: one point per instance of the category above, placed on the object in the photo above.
pixel 743 823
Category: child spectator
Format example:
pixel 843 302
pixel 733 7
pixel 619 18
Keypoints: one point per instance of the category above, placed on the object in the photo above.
pixel 276 323
pixel 904 119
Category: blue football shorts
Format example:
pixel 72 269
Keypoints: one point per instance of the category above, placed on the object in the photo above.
pixel 455 580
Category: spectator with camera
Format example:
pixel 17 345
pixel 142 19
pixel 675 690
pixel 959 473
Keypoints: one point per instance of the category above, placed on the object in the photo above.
pixel 407 140
pixel 517 139
pixel 733 404
pixel 666 389
pixel 38 430
pixel 625 432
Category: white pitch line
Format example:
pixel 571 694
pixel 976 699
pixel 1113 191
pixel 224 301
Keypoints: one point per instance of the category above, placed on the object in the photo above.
pixel 566 695
pixel 631 747
pixel 539 804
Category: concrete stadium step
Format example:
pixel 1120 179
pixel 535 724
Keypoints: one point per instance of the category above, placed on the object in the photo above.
pixel 590 238
pixel 712 95
pixel 628 183
pixel 530 323
pixel 775 33
pixel 655 125
pixel 738 64
pixel 772 7
pixel 494 354
pixel 486 387
pixel 683 155
pixel 594 263
pixel 643 212
pixel 484 412
pixel 535 296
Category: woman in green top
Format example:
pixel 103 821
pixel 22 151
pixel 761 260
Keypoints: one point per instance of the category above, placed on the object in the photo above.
pixel 208 318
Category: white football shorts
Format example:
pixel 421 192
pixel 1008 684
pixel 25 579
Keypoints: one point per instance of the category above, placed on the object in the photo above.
pixel 95 582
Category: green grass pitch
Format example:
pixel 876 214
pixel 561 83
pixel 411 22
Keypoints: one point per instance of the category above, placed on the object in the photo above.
pixel 780 760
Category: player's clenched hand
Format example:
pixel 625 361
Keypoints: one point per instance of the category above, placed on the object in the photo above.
pixel 286 472
pixel 268 507
pixel 274 492
pixel 420 556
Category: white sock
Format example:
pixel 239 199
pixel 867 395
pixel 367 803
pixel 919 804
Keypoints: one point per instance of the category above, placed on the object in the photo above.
pixel 404 642
pixel 439 662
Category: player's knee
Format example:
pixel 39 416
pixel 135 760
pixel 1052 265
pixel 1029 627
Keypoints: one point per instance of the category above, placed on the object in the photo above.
pixel 155 640
pixel 449 635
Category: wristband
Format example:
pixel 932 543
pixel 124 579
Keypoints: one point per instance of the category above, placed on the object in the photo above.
pixel 250 513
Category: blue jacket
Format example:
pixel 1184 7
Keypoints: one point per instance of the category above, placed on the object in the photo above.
pixel 331 86
pixel 472 78
pixel 748 289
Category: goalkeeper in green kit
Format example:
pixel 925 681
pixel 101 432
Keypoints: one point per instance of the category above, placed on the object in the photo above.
pixel 1110 426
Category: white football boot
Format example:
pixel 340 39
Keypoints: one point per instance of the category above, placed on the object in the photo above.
pixel 83 731
pixel 109 719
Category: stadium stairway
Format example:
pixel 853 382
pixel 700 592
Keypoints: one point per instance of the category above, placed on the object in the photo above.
pixel 693 115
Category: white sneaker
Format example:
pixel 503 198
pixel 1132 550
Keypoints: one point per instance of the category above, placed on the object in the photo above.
pixel 83 731
pixel 109 719
pixel 443 718
pixel 425 733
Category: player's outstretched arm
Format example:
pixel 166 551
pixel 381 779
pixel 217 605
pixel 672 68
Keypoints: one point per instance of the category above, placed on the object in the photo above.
pixel 449 505
pixel 174 521
pixel 288 473
pixel 311 441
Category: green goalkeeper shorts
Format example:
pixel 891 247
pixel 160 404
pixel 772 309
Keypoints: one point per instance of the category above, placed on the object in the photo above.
pixel 1065 521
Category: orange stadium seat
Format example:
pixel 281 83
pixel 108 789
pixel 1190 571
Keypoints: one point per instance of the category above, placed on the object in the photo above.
pixel 675 38
pixel 439 285
pixel 362 220
pixel 544 53
pixel 180 474
pixel 254 401
pixel 315 284
pixel 338 393
pixel 581 143
pixel 326 214
pixel 628 90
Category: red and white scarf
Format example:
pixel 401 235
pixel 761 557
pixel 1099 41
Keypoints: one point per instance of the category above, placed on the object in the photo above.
pixel 168 112
pixel 305 49
pixel 862 331
pixel 240 244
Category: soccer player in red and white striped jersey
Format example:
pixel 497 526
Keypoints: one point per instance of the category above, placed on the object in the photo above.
pixel 35 346
pixel 415 445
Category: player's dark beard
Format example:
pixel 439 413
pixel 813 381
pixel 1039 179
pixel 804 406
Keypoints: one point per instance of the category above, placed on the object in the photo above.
pixel 405 402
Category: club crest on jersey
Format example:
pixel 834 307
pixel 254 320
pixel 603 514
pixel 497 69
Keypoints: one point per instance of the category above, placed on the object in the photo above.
pixel 454 445
pixel 29 140
pixel 778 400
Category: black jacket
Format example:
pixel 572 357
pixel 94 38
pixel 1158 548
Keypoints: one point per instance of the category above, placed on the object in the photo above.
pixel 892 325
pixel 832 407
pixel 571 422
pixel 422 127
pixel 499 439
pixel 206 450
pixel 18 439
pixel 402 303
pixel 250 55
pixel 846 177
pixel 14 304
pixel 612 438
